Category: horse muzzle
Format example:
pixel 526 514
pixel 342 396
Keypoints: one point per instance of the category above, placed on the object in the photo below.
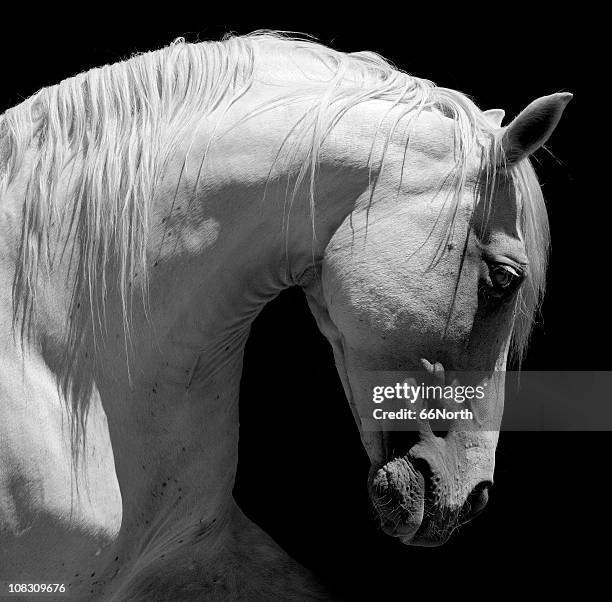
pixel 421 501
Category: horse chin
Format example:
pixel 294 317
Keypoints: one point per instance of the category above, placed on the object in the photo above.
pixel 399 492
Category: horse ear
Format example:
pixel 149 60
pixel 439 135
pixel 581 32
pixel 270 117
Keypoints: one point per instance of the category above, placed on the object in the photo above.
pixel 533 126
pixel 495 116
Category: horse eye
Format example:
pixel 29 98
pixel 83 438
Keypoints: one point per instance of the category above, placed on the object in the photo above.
pixel 503 277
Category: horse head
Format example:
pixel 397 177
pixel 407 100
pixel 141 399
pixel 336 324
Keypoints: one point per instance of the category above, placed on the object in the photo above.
pixel 438 274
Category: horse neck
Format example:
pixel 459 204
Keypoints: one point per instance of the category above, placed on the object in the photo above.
pixel 173 420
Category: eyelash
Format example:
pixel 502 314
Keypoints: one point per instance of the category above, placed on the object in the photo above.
pixel 503 279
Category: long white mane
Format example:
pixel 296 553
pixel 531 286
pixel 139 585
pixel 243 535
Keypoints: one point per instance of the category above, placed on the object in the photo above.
pixel 113 130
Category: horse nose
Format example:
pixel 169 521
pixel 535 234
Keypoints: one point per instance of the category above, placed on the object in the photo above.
pixel 476 501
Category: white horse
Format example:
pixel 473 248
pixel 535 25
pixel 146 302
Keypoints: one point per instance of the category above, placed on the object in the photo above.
pixel 151 208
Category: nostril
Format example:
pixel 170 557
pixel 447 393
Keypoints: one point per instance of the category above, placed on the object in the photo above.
pixel 476 501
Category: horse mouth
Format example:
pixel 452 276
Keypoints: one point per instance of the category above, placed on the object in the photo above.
pixel 407 497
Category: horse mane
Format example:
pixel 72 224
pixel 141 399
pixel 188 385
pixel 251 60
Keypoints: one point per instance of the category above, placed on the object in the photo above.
pixel 113 130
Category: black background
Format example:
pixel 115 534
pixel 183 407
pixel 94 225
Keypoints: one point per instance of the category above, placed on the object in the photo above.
pixel 302 471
